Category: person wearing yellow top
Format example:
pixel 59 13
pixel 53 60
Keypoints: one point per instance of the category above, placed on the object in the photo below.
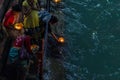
pixel 31 19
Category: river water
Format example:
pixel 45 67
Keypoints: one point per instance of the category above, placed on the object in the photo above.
pixel 92 36
pixel 92 31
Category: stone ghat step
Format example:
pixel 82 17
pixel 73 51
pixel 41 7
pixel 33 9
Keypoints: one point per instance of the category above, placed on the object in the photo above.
pixel 30 77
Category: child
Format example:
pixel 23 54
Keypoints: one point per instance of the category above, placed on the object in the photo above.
pixel 14 56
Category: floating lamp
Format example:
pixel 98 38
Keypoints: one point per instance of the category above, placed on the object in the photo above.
pixel 34 48
pixel 61 39
pixel 18 26
pixel 57 1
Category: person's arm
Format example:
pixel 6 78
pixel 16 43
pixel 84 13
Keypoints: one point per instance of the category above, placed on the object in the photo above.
pixel 26 11
pixel 38 6
pixel 54 36
pixel 21 18
pixel 35 7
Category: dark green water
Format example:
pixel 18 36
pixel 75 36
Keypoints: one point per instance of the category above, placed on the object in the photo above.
pixel 93 37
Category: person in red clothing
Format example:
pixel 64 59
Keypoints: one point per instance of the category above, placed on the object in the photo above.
pixel 11 47
pixel 12 17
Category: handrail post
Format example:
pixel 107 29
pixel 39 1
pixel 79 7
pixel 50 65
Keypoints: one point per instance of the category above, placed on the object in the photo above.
pixel 42 55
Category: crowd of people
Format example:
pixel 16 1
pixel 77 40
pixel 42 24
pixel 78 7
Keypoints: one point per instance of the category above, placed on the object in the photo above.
pixel 25 26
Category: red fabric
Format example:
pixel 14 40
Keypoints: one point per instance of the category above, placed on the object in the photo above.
pixel 19 42
pixel 9 19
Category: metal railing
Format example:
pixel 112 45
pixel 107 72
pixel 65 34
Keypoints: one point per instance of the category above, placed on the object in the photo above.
pixel 43 58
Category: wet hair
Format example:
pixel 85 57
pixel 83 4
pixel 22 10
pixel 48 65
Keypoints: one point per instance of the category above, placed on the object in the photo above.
pixel 16 8
pixel 53 19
